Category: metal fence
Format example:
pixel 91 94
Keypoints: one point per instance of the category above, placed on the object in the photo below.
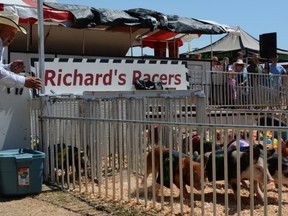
pixel 108 160
pixel 98 144
pixel 235 90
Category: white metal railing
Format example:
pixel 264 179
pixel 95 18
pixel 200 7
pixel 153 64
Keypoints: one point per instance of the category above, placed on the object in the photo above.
pixel 230 89
pixel 114 164
pixel 114 132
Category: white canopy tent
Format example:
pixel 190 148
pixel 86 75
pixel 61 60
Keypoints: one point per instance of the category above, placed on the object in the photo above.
pixel 235 40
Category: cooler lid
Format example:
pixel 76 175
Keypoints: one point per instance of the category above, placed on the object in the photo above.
pixel 22 153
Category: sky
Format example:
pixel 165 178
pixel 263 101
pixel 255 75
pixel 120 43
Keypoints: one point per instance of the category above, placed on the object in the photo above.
pixel 253 16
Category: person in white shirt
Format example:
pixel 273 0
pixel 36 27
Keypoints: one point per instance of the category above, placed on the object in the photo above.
pixel 278 75
pixel 9 73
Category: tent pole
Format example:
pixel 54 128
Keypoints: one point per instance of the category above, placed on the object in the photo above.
pixel 83 43
pixel 28 38
pixel 211 46
pixel 174 47
pixel 41 41
pixel 142 51
pixel 131 47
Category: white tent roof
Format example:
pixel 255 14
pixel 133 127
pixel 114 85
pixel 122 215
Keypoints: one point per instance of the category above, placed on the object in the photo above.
pixel 235 40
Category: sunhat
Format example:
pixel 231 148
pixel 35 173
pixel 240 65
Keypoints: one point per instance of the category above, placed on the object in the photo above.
pixel 11 19
pixel 239 62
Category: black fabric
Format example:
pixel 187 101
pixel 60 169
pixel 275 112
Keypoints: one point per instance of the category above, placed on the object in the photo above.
pixel 232 162
pixel 89 17
pixel 273 164
pixel 177 24
pixel 147 85
pixel 219 157
pixel 83 14
pixel 166 169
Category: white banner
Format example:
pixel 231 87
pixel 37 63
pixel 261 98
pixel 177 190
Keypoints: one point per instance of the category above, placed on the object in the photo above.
pixel 65 76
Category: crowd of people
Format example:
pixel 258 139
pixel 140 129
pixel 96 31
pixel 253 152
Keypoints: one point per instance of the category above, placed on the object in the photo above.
pixel 244 78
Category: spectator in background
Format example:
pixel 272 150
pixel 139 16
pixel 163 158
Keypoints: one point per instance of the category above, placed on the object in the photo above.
pixel 254 76
pixel 255 67
pixel 267 83
pixel 276 71
pixel 239 55
pixel 231 86
pixel 242 81
pixel 216 66
pixel 241 69
pixel 266 76
pixel 198 56
pixel 225 63
pixel 266 68
pixel 218 81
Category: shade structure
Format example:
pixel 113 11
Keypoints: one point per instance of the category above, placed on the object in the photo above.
pixel 235 40
pixel 101 32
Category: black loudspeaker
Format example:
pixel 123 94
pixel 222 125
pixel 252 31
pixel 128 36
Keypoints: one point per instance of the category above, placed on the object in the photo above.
pixel 268 45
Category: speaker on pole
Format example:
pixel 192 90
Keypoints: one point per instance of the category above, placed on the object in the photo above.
pixel 268 45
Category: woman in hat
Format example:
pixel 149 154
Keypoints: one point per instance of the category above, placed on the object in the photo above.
pixel 8 73
pixel 242 81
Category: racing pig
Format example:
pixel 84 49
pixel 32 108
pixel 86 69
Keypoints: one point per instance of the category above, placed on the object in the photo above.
pixel 245 167
pixel 196 169
pixel 66 153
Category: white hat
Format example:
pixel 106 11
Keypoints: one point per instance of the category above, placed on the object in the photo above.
pixel 11 19
pixel 239 62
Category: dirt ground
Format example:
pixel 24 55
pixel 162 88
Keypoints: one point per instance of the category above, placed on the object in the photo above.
pixel 50 201
pixel 53 202
pixel 259 209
